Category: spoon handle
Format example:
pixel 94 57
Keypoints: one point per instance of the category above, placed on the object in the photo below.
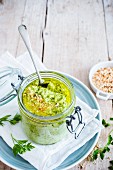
pixel 25 36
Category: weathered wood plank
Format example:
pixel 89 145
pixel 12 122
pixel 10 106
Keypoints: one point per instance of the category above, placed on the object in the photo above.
pixel 34 19
pixel 10 16
pixel 4 167
pixel 108 8
pixel 75 40
pixel 72 38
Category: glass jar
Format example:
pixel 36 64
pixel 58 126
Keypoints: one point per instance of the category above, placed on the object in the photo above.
pixel 45 129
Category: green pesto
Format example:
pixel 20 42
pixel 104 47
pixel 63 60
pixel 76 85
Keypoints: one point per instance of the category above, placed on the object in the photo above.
pixel 49 101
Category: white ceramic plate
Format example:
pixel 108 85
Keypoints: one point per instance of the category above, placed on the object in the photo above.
pixel 6 154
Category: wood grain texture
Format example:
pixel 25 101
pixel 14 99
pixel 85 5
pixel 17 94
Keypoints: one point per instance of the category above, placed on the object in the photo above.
pixel 1 1
pixel 4 167
pixel 70 36
pixel 11 12
pixel 108 8
pixel 34 18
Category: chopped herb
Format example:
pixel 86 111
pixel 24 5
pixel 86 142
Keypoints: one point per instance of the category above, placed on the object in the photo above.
pixel 102 151
pixel 95 154
pixel 111 163
pixel 110 167
pixel 105 124
pixel 4 119
pixel 15 119
pixel 12 121
pixel 110 139
pixel 102 155
pixel 21 146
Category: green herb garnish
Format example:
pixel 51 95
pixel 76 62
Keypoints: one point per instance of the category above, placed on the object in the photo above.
pixel 105 124
pixel 111 165
pixel 12 121
pixel 15 119
pixel 101 151
pixel 21 146
pixel 4 119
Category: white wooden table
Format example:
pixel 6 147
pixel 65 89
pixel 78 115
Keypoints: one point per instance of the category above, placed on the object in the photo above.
pixel 68 35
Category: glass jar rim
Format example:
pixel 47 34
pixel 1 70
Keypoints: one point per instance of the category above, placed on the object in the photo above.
pixel 47 73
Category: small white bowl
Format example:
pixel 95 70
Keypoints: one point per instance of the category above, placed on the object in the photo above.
pixel 99 93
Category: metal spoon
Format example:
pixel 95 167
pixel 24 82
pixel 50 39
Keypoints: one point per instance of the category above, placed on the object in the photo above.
pixel 25 36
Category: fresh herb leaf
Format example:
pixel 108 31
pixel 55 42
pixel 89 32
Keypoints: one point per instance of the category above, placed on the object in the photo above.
pixel 105 124
pixel 105 149
pixel 15 119
pixel 21 146
pixel 109 140
pixel 110 167
pixel 111 118
pixel 102 151
pixel 95 154
pixel 12 121
pixel 111 162
pixel 102 155
pixel 4 119
pixel 16 149
pixel 21 142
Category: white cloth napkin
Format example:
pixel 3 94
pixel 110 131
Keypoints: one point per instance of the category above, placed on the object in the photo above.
pixel 45 157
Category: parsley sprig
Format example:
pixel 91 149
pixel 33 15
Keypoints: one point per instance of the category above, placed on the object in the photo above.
pixel 21 146
pixel 101 151
pixel 12 121
pixel 4 119
pixel 15 119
